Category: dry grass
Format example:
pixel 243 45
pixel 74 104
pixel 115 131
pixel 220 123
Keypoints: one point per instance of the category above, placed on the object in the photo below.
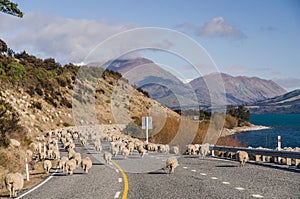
pixel 36 176
pixel 230 141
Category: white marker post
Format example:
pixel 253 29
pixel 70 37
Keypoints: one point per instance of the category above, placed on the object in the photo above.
pixel 147 124
pixel 26 168
pixel 279 147
pixel 147 130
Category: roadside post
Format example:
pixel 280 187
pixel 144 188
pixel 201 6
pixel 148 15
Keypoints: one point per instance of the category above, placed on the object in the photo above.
pixel 147 124
pixel 279 147
pixel 26 168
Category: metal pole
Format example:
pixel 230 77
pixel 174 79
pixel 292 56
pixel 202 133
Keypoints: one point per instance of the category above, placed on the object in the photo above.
pixel 279 147
pixel 147 130
pixel 27 170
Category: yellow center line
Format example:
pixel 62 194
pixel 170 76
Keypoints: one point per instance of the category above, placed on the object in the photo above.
pixel 125 192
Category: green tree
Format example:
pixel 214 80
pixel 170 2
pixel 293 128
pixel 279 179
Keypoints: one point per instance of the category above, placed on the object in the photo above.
pixel 241 113
pixel 11 8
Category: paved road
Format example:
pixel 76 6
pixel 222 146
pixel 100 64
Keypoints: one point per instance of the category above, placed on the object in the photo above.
pixel 214 178
pixel 194 178
pixel 102 181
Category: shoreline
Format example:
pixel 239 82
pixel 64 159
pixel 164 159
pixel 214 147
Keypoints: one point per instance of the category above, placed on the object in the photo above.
pixel 237 130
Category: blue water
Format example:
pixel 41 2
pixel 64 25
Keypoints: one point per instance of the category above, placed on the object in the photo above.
pixel 285 125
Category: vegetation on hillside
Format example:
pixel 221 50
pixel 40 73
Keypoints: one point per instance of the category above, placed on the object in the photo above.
pixel 9 124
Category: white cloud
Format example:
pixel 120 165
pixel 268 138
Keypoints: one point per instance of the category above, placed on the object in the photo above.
pixel 68 40
pixel 218 27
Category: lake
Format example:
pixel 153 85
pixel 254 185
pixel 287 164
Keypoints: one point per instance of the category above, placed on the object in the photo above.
pixel 285 125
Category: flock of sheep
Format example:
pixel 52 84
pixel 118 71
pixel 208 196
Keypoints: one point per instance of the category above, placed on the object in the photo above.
pixel 120 144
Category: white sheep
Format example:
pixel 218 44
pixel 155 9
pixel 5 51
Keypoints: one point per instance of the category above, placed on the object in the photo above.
pixel 115 151
pixel 107 157
pixel 62 163
pixel 130 146
pixel 86 164
pixel 243 157
pixel 77 157
pixel 70 166
pixel 47 166
pixel 125 152
pixel 175 150
pixel 142 151
pixel 204 150
pixel 171 164
pixel 14 183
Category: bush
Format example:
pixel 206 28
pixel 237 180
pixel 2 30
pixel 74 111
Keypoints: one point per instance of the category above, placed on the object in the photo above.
pixel 230 122
pixel 16 70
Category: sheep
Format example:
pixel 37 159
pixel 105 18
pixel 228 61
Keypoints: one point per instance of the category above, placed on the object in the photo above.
pixel 14 183
pixel 71 153
pixel 98 146
pixel 175 150
pixel 50 154
pixel 107 157
pixel 42 156
pixel 47 166
pixel 115 151
pixel 204 150
pixel 125 152
pixel 142 151
pixel 243 157
pixel 192 149
pixel 77 157
pixel 130 146
pixel 56 153
pixel 70 166
pixel 86 164
pixel 62 163
pixel 171 164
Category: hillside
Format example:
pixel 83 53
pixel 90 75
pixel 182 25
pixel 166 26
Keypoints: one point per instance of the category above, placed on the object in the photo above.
pixel 161 85
pixel 240 89
pixel 169 90
pixel 286 103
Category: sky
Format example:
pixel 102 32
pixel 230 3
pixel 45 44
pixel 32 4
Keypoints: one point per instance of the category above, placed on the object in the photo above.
pixel 248 38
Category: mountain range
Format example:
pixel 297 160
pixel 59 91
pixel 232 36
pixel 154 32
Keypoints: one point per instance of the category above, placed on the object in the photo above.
pixel 166 88
pixel 286 103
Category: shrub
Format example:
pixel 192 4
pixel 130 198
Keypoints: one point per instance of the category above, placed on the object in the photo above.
pixel 230 141
pixel 230 122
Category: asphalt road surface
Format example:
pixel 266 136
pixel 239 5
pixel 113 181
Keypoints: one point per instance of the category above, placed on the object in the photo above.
pixel 194 178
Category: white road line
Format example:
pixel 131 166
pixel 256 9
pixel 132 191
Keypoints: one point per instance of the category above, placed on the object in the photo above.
pixel 193 170
pixel 117 170
pixel 203 174
pixel 226 182
pixel 117 195
pixel 38 186
pixel 214 178
pixel 257 196
pixel 157 158
pixel 239 188
pixel 185 167
pixel 120 179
